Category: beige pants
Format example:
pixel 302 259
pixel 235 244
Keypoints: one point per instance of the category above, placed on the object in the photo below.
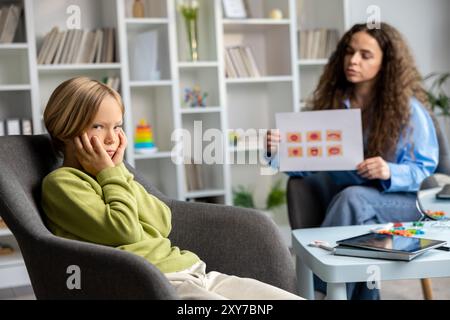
pixel 195 284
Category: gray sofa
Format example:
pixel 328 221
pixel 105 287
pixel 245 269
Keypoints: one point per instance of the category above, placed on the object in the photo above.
pixel 230 240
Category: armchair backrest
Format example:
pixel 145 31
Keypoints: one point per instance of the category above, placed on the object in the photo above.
pixel 24 162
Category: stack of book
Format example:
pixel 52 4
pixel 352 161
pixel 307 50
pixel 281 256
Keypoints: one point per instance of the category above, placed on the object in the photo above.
pixel 14 126
pixel 78 46
pixel 240 63
pixel 9 21
pixel 317 43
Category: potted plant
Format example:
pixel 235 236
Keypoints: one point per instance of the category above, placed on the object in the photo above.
pixel 276 199
pixel 439 98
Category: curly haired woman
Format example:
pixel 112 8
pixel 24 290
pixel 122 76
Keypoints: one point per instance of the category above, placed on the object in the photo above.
pixel 373 69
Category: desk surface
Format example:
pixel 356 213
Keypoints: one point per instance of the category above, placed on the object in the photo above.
pixel 337 269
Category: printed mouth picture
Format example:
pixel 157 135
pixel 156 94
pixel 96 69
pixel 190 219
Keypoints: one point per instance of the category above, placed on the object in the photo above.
pixel 334 135
pixel 294 137
pixel 313 136
pixel 333 151
pixel 314 151
pixel 295 152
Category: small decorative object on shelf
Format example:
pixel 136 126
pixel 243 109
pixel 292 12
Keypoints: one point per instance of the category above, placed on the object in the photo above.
pixel 143 139
pixel 189 11
pixel 276 14
pixel 5 249
pixel 234 9
pixel 138 9
pixel 233 137
pixel 194 97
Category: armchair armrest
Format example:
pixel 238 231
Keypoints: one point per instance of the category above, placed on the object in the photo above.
pixel 105 273
pixel 234 241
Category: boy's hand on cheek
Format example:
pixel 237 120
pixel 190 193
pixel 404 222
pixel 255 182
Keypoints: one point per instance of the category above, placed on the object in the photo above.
pixel 91 155
pixel 118 156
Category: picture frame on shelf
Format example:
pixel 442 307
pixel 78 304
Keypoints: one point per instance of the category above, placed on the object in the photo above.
pixel 235 9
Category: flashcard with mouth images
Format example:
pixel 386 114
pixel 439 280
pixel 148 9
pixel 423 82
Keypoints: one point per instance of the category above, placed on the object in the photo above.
pixel 328 140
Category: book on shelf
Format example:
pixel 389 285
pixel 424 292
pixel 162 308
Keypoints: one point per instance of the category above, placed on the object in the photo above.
pixel 144 56
pixel 385 246
pixel 194 178
pixel 77 46
pixel 2 128
pixel 53 47
pixel 317 43
pixel 12 127
pixel 60 47
pixel 26 127
pixel 240 62
pixel 9 22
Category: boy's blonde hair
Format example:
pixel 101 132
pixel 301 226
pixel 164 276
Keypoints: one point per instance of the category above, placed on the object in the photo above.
pixel 73 106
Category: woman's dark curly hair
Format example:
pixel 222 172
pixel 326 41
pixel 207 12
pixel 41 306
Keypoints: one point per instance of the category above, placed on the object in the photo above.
pixel 397 81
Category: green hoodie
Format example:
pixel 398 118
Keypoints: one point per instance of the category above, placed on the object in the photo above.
pixel 112 210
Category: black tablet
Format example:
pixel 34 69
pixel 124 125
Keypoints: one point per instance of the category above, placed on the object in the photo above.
pixel 391 243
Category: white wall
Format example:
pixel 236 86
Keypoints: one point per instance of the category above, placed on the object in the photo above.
pixel 425 25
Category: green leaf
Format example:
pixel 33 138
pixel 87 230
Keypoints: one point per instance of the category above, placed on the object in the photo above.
pixel 437 96
pixel 243 197
pixel 276 197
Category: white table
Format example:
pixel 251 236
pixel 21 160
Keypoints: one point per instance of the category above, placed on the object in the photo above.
pixel 338 270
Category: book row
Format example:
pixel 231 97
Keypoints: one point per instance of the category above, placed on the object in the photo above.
pixel 317 43
pixel 15 126
pixel 78 46
pixel 240 63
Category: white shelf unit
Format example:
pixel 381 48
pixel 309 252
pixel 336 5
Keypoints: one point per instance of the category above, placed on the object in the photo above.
pixel 149 97
pixel 251 103
pixel 206 73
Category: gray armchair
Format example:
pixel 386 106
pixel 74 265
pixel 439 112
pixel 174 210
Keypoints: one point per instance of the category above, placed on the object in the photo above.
pixel 308 198
pixel 230 240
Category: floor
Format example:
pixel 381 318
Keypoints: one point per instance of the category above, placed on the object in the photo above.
pixel 390 290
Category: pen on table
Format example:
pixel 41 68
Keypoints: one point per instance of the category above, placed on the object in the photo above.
pixel 443 248
pixel 321 244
